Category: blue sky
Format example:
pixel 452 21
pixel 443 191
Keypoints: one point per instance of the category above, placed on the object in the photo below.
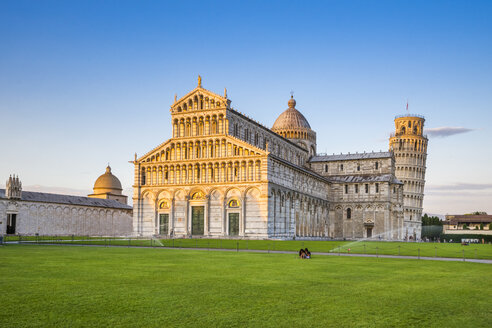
pixel 84 83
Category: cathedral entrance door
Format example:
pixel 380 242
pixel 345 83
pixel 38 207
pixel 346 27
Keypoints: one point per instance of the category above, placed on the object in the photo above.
pixel 369 232
pixel 163 224
pixel 233 224
pixel 11 222
pixel 197 221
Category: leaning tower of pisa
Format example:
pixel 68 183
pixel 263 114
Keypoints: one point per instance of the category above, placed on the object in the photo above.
pixel 409 145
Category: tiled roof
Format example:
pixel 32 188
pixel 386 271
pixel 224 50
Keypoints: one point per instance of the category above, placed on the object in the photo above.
pixel 345 157
pixel 291 119
pixel 43 197
pixel 455 219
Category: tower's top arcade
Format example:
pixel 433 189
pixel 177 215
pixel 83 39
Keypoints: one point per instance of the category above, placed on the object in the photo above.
pixel 409 124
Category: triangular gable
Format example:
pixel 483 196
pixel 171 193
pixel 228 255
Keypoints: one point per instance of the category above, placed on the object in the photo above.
pixel 183 104
pixel 154 151
pixel 236 142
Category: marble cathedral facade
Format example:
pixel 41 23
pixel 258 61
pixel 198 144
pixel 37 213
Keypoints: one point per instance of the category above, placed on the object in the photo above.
pixel 222 174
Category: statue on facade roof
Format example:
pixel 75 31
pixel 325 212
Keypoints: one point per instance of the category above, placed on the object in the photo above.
pixel 199 81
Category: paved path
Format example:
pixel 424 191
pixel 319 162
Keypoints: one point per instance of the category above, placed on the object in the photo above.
pixel 449 259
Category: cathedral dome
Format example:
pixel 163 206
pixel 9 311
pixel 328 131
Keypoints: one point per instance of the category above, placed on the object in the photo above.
pixel 108 183
pixel 291 118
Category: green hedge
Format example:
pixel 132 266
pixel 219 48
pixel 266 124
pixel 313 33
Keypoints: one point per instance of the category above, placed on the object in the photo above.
pixel 457 238
pixel 431 231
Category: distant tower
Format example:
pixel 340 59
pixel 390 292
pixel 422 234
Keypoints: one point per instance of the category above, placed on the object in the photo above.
pixel 13 188
pixel 410 148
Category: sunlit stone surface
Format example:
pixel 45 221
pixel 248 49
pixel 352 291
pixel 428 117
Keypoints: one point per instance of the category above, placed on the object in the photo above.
pixel 224 174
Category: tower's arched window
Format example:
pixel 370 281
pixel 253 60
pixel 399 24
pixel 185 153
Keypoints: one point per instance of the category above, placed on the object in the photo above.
pixel 358 167
pixel 326 167
pixel 376 165
pixel 349 213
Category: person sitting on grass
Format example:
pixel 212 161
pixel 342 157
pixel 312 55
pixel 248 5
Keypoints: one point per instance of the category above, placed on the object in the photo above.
pixel 302 255
pixel 308 253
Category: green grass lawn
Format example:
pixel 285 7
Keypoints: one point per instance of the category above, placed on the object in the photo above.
pixel 361 247
pixel 56 286
pixel 471 251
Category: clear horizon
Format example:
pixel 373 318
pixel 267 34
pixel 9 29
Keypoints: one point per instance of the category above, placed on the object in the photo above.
pixel 88 83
